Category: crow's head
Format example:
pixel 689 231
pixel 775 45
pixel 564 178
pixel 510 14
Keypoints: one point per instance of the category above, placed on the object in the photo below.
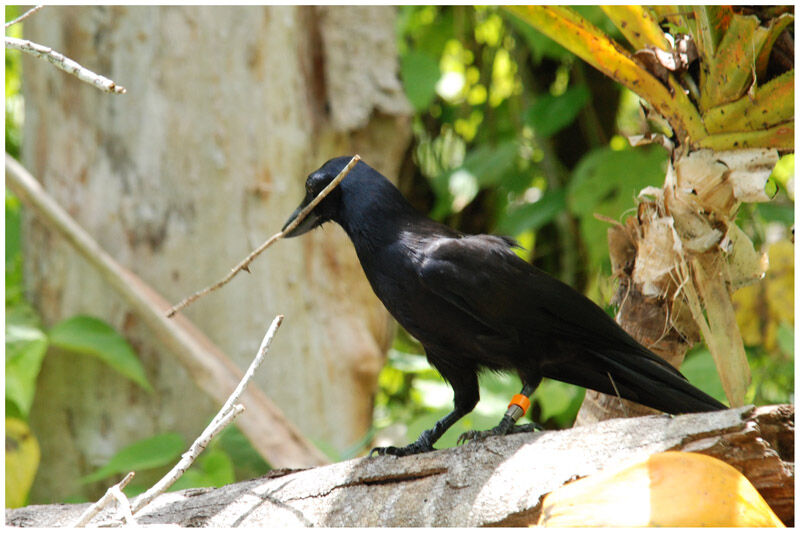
pixel 328 208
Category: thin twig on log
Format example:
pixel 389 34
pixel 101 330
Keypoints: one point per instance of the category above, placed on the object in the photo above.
pixel 269 242
pixel 226 414
pixel 97 506
pixel 124 505
pixel 66 64
pixel 187 458
pixel 25 15
pixel 271 433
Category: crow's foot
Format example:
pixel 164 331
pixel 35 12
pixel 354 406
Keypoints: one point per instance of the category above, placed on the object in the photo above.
pixel 500 429
pixel 411 449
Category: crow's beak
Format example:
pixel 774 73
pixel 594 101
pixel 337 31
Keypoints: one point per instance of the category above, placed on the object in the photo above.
pixel 307 224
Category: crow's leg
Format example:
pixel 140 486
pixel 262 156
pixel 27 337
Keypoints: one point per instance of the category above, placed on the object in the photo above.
pixel 508 423
pixel 465 390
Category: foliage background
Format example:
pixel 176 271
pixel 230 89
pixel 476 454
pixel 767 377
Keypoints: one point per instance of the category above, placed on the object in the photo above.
pixel 512 135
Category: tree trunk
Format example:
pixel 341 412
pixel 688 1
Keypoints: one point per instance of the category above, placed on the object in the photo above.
pixel 500 482
pixel 227 111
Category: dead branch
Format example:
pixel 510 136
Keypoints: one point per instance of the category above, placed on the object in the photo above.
pixel 98 506
pixel 66 64
pixel 25 15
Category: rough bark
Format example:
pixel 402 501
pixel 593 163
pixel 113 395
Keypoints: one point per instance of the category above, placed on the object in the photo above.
pixel 499 482
pixel 227 110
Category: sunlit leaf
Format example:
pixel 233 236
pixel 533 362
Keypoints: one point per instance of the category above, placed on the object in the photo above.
pixel 22 461
pixel 91 336
pixel 539 44
pixel 26 347
pixel 420 72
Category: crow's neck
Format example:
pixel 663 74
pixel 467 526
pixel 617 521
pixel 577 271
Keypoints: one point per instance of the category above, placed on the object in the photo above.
pixel 374 215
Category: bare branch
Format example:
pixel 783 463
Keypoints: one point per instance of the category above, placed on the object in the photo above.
pixel 226 414
pixel 269 242
pixel 124 505
pixel 96 507
pixel 187 458
pixel 25 15
pixel 66 64
pixel 259 358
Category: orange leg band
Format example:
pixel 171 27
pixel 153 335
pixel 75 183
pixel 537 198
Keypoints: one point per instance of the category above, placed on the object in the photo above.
pixel 521 401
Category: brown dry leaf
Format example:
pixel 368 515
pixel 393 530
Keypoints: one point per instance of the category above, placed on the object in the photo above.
pixel 659 251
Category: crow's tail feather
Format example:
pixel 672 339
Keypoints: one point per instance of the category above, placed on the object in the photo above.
pixel 645 379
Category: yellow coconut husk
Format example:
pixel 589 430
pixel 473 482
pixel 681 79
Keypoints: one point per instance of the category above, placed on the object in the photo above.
pixel 669 489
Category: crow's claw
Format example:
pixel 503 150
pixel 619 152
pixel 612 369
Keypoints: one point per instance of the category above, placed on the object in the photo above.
pixel 475 435
pixel 411 449
pixel 497 430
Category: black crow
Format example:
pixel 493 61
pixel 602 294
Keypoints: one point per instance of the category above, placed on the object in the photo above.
pixel 474 305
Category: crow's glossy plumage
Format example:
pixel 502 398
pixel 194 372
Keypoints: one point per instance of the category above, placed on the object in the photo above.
pixel 474 304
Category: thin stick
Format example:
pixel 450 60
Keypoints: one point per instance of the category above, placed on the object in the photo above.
pixel 96 507
pixel 66 64
pixel 226 414
pixel 260 355
pixel 269 242
pixel 124 505
pixel 25 15
pixel 187 459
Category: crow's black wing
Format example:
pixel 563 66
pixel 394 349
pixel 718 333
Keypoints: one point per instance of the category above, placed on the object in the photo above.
pixel 483 276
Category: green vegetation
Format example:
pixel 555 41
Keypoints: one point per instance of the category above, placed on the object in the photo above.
pixel 515 135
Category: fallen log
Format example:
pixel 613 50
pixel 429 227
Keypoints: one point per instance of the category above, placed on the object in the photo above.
pixel 498 482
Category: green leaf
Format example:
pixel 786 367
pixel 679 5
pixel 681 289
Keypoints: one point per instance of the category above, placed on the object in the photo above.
pixel 701 371
pixel 489 163
pixel 214 468
pixel 775 212
pixel 13 222
pixel 247 461
pixel 484 166
pixel 550 114
pixel 785 338
pixel 91 336
pixel 420 72
pixel 14 292
pixel 533 216
pixel 26 346
pixel 558 400
pixel 157 451
pixel 607 182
